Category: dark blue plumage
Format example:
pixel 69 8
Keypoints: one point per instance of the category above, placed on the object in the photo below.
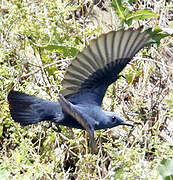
pixel 85 84
pixel 27 109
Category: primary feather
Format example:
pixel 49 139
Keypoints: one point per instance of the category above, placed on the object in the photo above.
pixel 98 65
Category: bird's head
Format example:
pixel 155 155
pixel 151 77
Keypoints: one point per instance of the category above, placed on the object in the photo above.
pixel 114 120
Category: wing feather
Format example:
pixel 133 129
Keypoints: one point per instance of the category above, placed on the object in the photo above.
pixel 103 60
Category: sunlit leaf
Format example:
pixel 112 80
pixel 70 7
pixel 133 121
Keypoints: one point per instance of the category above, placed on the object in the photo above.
pixel 140 15
pixel 171 24
pixel 64 50
pixel 2 175
pixel 158 34
pixel 166 169
pixel 119 8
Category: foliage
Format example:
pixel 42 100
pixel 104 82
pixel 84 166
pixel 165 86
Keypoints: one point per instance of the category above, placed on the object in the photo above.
pixel 38 40
pixel 126 16
pixel 159 34
pixel 166 169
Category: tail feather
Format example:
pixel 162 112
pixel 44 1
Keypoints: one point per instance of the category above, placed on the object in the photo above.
pixel 27 109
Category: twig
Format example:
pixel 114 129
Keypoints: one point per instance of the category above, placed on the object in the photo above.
pixel 44 67
pixel 152 60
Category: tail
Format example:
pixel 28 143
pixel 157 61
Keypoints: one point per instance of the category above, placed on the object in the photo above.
pixel 27 109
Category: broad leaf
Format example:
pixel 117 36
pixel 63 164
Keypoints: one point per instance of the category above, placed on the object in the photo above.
pixel 140 15
pixel 158 34
pixel 166 169
pixel 64 50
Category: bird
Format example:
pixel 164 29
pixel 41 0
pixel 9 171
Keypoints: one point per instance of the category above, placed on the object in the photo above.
pixel 84 85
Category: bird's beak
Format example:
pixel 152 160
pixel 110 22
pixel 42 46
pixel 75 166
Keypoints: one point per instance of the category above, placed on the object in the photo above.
pixel 127 124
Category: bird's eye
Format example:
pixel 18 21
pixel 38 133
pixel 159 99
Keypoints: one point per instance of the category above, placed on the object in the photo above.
pixel 113 119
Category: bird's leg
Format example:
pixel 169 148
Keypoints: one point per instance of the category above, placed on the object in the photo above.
pixel 92 141
pixel 72 110
pixel 86 141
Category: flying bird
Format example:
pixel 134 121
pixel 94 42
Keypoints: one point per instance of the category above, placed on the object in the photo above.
pixel 85 83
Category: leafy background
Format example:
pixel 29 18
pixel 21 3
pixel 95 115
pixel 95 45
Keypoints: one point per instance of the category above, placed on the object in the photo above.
pixel 38 39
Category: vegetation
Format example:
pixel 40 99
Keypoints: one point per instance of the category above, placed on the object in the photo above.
pixel 38 40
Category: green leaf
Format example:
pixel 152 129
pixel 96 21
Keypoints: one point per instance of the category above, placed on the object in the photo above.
pixel 119 173
pixel 131 76
pixel 128 16
pixel 119 8
pixel 171 24
pixel 131 1
pixel 166 169
pixel 64 50
pixel 157 34
pixel 2 175
pixel 1 130
pixel 140 15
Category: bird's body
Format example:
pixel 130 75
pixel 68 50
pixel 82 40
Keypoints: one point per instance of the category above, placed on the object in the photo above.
pixel 37 109
pixel 85 83
pixel 88 111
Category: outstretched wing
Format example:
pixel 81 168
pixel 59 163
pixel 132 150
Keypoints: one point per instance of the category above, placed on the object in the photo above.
pixel 98 65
